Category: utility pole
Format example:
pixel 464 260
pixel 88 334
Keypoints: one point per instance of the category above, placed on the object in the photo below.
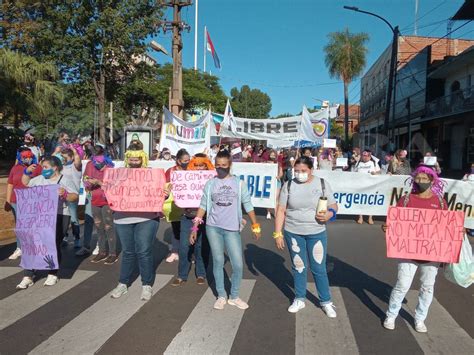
pixel 177 26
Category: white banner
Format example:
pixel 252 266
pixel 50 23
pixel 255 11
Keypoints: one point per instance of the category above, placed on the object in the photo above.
pixel 360 193
pixel 195 137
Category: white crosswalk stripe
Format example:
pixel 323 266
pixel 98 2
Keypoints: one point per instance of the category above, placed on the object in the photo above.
pixel 318 334
pixel 93 327
pixel 210 331
pixel 22 303
pixel 444 336
pixel 7 271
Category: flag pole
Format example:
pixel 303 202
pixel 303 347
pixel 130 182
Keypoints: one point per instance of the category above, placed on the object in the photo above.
pixel 205 46
pixel 196 35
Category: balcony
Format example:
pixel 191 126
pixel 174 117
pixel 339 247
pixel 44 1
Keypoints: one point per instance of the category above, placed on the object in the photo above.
pixel 459 101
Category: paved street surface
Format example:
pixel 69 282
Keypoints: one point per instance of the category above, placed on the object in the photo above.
pixel 77 316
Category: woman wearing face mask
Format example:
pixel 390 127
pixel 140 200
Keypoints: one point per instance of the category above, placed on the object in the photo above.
pixel 222 200
pixel 137 233
pixel 25 157
pixel 304 230
pixel 470 175
pixel 182 161
pixel 101 212
pixel 51 175
pixel 399 165
pixel 165 154
pixel 186 250
pixel 426 193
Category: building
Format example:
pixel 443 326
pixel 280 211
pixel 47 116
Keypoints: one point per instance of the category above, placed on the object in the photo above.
pixel 354 117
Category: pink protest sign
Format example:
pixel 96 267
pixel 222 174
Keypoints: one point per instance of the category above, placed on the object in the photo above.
pixel 36 215
pixel 424 234
pixel 188 186
pixel 134 190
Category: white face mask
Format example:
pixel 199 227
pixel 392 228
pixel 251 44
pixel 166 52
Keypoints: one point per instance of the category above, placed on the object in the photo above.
pixel 302 177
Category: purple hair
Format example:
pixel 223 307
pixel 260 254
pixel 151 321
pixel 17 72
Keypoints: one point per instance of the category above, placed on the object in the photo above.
pixel 437 186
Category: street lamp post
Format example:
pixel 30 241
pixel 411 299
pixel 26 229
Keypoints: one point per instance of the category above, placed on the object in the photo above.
pixel 393 65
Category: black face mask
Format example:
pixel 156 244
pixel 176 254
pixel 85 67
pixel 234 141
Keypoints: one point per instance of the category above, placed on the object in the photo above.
pixel 183 166
pixel 222 172
pixel 135 165
pixel 423 186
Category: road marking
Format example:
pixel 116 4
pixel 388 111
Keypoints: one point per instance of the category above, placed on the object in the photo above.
pixel 23 302
pixel 7 271
pixel 86 333
pixel 445 335
pixel 210 331
pixel 317 334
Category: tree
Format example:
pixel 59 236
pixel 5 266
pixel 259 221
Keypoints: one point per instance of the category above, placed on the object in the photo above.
pixel 345 59
pixel 250 103
pixel 28 88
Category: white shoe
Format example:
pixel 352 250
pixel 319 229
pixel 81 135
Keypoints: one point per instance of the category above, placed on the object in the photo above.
pixel 269 215
pixel 147 292
pixel 237 302
pixel 51 280
pixel 420 326
pixel 329 310
pixel 172 257
pixel 220 303
pixel 15 255
pixel 296 306
pixel 389 323
pixel 96 250
pixel 25 283
pixel 119 291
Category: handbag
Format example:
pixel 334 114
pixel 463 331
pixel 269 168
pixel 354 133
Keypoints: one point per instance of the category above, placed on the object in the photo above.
pixel 462 273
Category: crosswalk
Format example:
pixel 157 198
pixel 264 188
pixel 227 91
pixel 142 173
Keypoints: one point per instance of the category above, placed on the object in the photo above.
pixel 203 330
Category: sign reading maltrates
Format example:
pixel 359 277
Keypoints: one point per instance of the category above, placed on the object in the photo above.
pixel 424 234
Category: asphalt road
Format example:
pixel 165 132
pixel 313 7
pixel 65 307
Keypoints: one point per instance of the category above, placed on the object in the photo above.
pixel 77 316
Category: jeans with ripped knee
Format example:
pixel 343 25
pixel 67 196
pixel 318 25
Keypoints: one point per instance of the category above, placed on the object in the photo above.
pixel 309 251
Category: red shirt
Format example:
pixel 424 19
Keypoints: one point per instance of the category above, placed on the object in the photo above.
pixel 428 203
pixel 14 178
pixel 98 195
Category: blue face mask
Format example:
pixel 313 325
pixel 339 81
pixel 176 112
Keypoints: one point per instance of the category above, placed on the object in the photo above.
pixel 67 162
pixel 47 173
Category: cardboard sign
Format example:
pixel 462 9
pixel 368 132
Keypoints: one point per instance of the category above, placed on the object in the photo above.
pixel 424 234
pixel 188 186
pixel 341 162
pixel 430 161
pixel 37 210
pixel 134 190
pixel 330 143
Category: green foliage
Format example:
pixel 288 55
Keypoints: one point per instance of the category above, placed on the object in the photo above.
pixel 250 103
pixel 10 141
pixel 283 115
pixel 335 130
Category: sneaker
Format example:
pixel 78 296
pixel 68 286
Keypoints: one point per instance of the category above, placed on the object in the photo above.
pixel 296 306
pixel 172 257
pixel 77 243
pixel 329 310
pixel 96 250
pixel 25 283
pixel 64 243
pixel 420 326
pixel 15 255
pixel 220 303
pixel 178 282
pixel 51 280
pixel 238 303
pixel 111 259
pixel 389 323
pixel 98 258
pixel 147 292
pixel 269 215
pixel 119 291
pixel 201 280
pixel 83 252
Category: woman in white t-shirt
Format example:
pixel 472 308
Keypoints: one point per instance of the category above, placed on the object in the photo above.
pixel 50 175
pixel 366 165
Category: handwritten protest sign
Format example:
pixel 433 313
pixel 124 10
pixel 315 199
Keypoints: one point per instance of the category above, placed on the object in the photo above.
pixel 424 234
pixel 134 190
pixel 37 209
pixel 188 186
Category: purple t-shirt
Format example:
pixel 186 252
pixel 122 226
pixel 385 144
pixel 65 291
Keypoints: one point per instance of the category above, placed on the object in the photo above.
pixel 224 211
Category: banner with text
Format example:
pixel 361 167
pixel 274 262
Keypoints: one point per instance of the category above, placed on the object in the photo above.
pixel 176 133
pixel 134 190
pixel 36 215
pixel 424 234
pixel 188 186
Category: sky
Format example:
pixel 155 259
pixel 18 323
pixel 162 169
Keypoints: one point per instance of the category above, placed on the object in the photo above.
pixel 277 45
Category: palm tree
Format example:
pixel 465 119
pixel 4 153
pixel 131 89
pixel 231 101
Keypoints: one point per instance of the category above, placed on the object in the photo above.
pixel 345 59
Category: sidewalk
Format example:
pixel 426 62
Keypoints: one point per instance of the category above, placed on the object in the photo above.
pixel 7 225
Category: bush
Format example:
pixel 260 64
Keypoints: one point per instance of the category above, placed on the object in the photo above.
pixel 10 141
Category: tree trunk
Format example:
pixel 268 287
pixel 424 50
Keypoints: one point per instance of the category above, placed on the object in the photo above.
pixel 100 95
pixel 346 112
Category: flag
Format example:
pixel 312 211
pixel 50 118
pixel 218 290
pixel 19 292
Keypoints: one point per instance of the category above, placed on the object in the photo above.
pixel 210 48
pixel 228 121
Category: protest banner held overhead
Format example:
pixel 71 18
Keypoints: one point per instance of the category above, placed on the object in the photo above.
pixel 424 234
pixel 37 209
pixel 134 190
pixel 188 186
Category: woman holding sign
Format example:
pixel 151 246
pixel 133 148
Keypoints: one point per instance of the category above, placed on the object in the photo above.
pixel 426 193
pixel 306 204
pixel 222 200
pixel 50 175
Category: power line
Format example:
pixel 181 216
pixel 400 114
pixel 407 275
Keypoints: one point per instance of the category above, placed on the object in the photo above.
pixel 426 14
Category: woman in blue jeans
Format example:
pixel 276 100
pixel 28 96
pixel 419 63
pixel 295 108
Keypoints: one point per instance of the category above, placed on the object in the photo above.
pixel 137 233
pixel 305 231
pixel 222 200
